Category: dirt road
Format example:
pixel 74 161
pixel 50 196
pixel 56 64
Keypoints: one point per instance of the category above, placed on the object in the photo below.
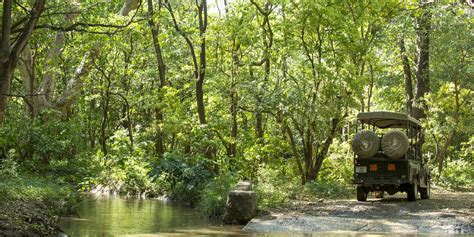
pixel 445 212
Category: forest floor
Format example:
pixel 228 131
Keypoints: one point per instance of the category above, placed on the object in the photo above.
pixel 445 212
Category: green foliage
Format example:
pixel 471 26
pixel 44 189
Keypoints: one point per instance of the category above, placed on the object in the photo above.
pixel 274 187
pixel 35 143
pixel 59 197
pixel 459 175
pixel 309 64
pixel 182 177
pixel 122 170
pixel 329 189
pixel 214 194
pixel 32 204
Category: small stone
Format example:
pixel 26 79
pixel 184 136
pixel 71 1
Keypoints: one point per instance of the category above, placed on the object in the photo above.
pixel 244 186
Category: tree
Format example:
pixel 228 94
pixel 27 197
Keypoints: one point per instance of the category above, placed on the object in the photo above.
pixel 199 65
pixel 10 55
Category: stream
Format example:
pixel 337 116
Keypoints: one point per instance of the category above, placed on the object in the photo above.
pixel 117 216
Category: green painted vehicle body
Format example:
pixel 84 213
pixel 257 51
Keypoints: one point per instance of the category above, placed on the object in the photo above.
pixel 380 173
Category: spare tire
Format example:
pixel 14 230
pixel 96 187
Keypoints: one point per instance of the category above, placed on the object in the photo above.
pixel 395 144
pixel 365 143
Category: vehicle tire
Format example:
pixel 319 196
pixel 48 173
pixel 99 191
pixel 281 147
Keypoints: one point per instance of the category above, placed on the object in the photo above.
pixel 378 194
pixel 365 143
pixel 412 192
pixel 425 192
pixel 361 194
pixel 395 144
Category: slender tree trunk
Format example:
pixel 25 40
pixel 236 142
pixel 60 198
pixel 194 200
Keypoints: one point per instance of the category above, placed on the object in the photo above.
pixel 289 133
pixel 371 86
pixel 199 67
pixel 234 129
pixel 327 143
pixel 422 65
pixel 159 144
pixel 91 128
pixel 407 74
pixel 105 116
pixel 267 39
pixel 202 16
pixel 443 152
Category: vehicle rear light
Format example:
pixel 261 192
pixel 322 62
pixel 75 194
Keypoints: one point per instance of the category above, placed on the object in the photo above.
pixel 373 167
pixel 391 167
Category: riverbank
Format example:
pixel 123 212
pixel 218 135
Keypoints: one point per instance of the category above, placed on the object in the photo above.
pixel 32 205
pixel 444 213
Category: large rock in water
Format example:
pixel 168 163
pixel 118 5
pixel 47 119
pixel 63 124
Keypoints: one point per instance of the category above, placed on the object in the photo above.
pixel 241 205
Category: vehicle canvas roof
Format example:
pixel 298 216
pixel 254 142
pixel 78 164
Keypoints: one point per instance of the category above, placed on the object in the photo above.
pixel 385 119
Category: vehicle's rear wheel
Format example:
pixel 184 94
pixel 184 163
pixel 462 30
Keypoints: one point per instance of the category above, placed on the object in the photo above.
pixel 361 194
pixel 378 194
pixel 425 192
pixel 412 192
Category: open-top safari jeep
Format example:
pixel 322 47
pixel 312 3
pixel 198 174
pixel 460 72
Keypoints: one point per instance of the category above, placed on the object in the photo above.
pixel 388 156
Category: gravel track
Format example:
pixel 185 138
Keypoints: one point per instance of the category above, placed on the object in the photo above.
pixel 444 213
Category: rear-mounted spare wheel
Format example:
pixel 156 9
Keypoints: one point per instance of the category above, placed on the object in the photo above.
pixel 365 144
pixel 395 144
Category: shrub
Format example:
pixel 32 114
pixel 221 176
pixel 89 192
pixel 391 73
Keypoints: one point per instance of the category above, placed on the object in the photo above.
pixel 213 197
pixel 459 175
pixel 329 189
pixel 182 177
pixel 274 187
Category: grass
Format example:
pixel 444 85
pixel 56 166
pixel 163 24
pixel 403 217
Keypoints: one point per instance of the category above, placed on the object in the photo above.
pixel 31 205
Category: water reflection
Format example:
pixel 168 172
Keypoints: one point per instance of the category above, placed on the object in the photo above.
pixel 113 216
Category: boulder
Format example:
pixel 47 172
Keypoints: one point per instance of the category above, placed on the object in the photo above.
pixel 241 207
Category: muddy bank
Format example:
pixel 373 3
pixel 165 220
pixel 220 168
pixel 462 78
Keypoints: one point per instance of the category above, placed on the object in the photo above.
pixel 21 218
pixel 445 212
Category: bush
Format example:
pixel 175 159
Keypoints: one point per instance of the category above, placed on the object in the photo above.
pixel 182 177
pixel 275 187
pixel 329 189
pixel 61 199
pixel 213 197
pixel 458 175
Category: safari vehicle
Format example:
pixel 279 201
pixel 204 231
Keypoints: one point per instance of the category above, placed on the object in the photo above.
pixel 388 156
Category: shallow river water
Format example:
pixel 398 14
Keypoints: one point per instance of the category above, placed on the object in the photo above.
pixel 115 216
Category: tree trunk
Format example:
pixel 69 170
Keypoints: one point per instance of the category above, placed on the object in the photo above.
pixel 74 85
pixel 407 74
pixel 371 86
pixel 105 116
pixel 289 133
pixel 10 57
pixel 442 154
pixel 234 127
pixel 159 146
pixel 202 16
pixel 267 39
pixel 129 6
pixel 325 149
pixel 422 65
pixel 39 97
pixel 199 67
